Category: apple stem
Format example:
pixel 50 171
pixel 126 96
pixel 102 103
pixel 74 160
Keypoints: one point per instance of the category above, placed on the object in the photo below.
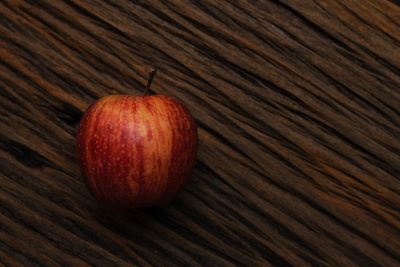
pixel 152 73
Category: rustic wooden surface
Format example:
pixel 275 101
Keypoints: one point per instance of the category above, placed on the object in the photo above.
pixel 298 108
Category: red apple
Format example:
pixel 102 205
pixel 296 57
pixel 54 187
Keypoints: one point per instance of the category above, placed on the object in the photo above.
pixel 136 151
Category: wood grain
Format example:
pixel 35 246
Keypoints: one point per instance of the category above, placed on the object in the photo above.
pixel 298 107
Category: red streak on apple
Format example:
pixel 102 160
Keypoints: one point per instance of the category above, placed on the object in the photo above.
pixel 136 151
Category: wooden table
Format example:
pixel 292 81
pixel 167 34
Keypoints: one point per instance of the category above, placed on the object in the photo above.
pixel 298 112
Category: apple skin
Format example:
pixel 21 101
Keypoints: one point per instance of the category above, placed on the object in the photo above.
pixel 136 151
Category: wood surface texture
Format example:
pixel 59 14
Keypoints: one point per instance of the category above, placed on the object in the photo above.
pixel 298 111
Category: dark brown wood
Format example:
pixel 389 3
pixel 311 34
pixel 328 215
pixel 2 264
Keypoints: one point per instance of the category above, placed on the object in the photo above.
pixel 298 108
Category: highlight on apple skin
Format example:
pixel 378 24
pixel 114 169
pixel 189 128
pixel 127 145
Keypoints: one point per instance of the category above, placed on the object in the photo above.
pixel 136 151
